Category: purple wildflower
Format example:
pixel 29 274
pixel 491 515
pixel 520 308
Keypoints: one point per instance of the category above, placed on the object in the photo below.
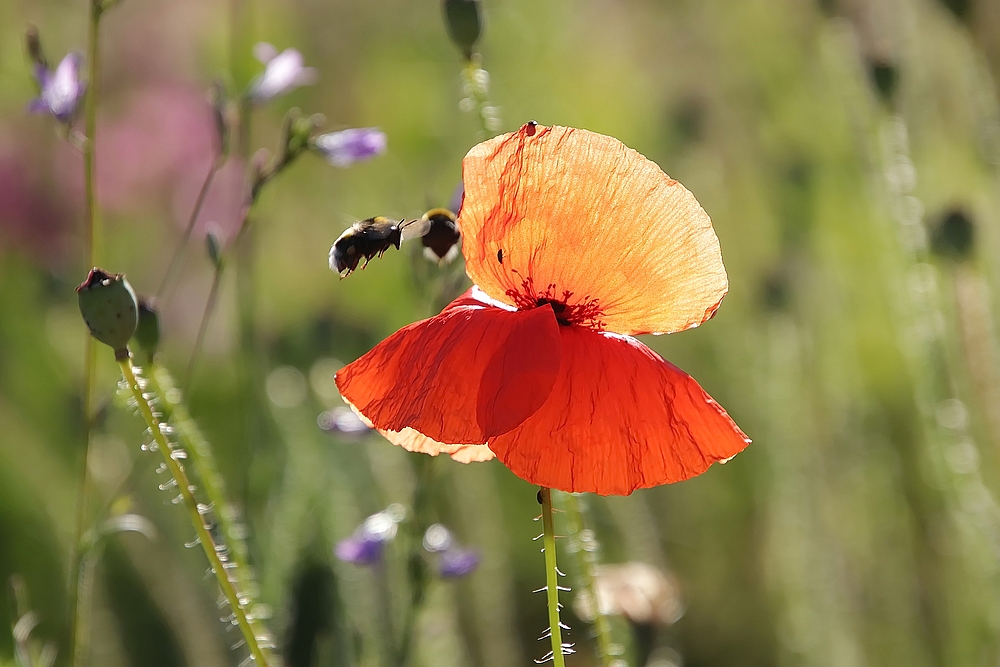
pixel 342 149
pixel 364 547
pixel 282 72
pixel 359 549
pixel 457 562
pixel 60 92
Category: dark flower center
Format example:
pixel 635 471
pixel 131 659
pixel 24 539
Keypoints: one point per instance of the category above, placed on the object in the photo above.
pixel 568 311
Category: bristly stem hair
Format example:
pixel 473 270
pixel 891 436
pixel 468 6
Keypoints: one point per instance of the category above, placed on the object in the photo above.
pixel 77 643
pixel 212 551
pixel 551 578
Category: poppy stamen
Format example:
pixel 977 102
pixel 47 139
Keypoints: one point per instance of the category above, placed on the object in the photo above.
pixel 585 312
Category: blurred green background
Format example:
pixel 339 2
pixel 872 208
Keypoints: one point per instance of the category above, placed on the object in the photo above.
pixel 844 149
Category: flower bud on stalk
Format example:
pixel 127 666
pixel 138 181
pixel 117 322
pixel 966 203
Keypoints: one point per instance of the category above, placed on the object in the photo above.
pixel 220 113
pixel 109 307
pixel 34 47
pixel 147 333
pixel 464 20
pixel 953 237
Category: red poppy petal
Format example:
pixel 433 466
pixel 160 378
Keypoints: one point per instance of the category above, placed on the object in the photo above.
pixel 473 372
pixel 619 418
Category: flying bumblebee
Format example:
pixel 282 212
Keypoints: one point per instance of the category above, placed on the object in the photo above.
pixel 441 236
pixel 369 239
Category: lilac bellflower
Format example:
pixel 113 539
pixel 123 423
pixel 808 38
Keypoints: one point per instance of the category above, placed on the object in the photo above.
pixel 344 148
pixel 60 91
pixel 456 562
pixel 282 72
pixel 364 547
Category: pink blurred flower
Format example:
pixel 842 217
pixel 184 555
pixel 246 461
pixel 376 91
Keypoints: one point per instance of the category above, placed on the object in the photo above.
pixel 163 136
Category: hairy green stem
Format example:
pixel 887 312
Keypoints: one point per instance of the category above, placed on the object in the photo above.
pixel 212 551
pixel 551 578
pixel 586 566
pixel 202 459
pixel 78 601
pixel 186 237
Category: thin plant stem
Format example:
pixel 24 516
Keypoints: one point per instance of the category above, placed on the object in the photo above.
pixel 417 567
pixel 78 607
pixel 186 237
pixel 212 551
pixel 587 572
pixel 213 296
pixel 551 578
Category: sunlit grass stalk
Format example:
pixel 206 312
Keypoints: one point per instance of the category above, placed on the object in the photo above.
pixel 586 565
pixel 551 579
pixel 77 601
pixel 212 551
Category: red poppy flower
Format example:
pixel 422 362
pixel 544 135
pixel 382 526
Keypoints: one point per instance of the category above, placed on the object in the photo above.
pixel 576 243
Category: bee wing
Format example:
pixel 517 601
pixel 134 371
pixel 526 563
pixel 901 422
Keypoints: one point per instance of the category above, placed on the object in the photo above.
pixel 414 229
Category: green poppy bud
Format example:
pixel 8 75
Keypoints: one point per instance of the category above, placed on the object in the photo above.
pixel 954 236
pixel 147 333
pixel 109 308
pixel 464 19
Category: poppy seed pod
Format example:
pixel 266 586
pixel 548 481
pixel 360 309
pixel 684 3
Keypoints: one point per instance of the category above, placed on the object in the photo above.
pixel 147 332
pixel 464 19
pixel 954 236
pixel 109 307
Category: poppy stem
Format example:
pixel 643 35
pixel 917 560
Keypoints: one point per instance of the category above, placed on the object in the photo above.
pixel 217 553
pixel 551 578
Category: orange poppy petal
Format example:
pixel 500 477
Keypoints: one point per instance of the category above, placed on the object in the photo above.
pixel 581 212
pixel 472 372
pixel 619 418
pixel 414 441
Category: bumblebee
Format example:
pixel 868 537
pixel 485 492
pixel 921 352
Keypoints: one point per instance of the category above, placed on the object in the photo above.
pixel 368 239
pixel 441 236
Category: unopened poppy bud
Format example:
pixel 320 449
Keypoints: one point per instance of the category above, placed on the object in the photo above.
pixel 464 20
pixel 214 248
pixel 109 307
pixel 147 332
pixel 954 236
